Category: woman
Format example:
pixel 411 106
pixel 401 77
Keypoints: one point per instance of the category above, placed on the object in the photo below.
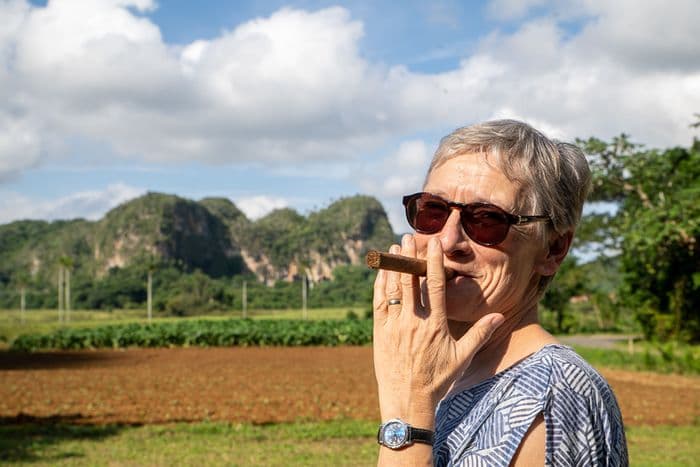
pixel 466 374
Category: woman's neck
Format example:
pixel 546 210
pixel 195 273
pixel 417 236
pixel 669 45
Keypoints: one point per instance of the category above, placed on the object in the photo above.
pixel 517 338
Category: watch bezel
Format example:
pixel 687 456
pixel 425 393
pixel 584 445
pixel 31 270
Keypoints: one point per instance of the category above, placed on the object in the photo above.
pixel 405 441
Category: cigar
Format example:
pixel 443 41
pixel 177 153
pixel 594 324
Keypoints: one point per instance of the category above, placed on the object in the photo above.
pixel 418 267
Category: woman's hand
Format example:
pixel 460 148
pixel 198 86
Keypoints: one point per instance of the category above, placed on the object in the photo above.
pixel 416 359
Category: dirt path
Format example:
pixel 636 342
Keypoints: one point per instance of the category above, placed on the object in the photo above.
pixel 599 341
pixel 251 384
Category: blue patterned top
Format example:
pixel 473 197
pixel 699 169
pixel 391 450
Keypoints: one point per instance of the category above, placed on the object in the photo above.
pixel 484 425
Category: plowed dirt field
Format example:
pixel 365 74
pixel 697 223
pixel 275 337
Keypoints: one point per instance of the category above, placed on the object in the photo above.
pixel 260 385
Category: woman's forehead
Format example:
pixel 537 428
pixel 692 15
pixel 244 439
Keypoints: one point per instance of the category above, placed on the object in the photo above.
pixel 473 177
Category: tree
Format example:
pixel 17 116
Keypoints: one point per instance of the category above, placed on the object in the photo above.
pixel 568 282
pixel 656 229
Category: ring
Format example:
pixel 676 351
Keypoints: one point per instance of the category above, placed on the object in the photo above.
pixel 394 301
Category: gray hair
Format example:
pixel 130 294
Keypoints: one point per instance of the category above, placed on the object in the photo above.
pixel 554 175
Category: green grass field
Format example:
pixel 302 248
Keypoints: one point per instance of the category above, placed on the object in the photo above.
pixel 344 442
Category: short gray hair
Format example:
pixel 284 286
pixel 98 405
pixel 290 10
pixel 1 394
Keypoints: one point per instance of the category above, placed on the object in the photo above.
pixel 554 175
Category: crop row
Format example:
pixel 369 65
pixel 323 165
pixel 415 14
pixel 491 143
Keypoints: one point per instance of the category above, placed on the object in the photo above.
pixel 204 333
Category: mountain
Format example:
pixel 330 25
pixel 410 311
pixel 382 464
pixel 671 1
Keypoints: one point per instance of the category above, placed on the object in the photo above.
pixel 211 235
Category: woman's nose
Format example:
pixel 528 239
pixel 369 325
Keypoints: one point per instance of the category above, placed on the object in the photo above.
pixel 452 236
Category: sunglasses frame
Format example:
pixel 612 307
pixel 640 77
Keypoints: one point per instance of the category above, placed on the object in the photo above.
pixel 464 209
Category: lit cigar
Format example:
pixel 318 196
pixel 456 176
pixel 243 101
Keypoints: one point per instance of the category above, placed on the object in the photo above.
pixel 418 267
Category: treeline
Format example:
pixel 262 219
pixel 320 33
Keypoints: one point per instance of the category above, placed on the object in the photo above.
pixel 179 293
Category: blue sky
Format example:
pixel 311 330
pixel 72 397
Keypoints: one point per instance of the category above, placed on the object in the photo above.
pixel 299 103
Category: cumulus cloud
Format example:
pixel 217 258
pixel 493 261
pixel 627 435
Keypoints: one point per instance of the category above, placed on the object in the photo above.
pixel 294 89
pixel 91 205
pixel 255 207
pixel 400 173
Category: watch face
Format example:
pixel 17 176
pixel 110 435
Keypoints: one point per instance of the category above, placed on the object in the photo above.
pixel 395 434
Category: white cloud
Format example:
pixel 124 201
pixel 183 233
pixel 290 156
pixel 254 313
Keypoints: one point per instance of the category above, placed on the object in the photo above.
pixel 90 205
pixel 293 89
pixel 255 207
pixel 400 173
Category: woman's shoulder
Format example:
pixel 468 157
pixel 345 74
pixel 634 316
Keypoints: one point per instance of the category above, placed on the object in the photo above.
pixel 568 371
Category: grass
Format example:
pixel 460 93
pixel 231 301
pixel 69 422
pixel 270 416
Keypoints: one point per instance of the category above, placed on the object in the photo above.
pixel 341 442
pixel 46 321
pixel 661 358
pixel 347 442
pixel 663 445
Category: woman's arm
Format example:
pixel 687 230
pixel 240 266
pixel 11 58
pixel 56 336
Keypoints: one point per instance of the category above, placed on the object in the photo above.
pixel 530 453
pixel 416 359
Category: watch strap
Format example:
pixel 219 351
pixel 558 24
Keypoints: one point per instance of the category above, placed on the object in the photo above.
pixel 419 435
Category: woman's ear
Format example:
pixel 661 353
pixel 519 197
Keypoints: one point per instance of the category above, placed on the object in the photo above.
pixel 557 248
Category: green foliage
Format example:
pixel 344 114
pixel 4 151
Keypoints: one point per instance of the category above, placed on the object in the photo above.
pixel 657 230
pixel 234 332
pixel 582 298
pixel 568 282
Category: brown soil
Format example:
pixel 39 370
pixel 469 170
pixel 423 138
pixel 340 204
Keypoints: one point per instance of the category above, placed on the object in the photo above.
pixel 258 385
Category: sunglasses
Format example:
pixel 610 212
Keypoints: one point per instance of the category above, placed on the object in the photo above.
pixel 484 223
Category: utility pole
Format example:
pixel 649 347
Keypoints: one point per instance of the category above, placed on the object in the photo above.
pixel 149 294
pixel 67 293
pixel 60 293
pixel 244 299
pixel 304 293
pixel 22 302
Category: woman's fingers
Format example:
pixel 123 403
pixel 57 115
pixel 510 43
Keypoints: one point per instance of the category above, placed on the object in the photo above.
pixel 410 291
pixel 379 298
pixel 435 281
pixel 392 290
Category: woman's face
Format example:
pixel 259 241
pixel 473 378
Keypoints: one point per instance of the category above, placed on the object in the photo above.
pixel 492 278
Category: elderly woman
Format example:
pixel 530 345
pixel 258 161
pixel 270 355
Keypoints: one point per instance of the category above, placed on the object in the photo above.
pixel 466 374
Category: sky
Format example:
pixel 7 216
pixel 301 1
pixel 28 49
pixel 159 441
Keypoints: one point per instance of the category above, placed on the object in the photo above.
pixel 299 103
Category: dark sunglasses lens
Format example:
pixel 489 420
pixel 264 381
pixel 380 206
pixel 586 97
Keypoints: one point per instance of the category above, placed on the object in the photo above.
pixel 486 225
pixel 426 214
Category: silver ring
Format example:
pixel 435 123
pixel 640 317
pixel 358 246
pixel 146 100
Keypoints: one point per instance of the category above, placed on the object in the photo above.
pixel 394 301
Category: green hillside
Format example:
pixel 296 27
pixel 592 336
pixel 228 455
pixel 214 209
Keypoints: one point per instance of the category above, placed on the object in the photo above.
pixel 199 251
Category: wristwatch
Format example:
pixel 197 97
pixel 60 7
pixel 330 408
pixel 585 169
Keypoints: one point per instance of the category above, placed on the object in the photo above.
pixel 396 434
